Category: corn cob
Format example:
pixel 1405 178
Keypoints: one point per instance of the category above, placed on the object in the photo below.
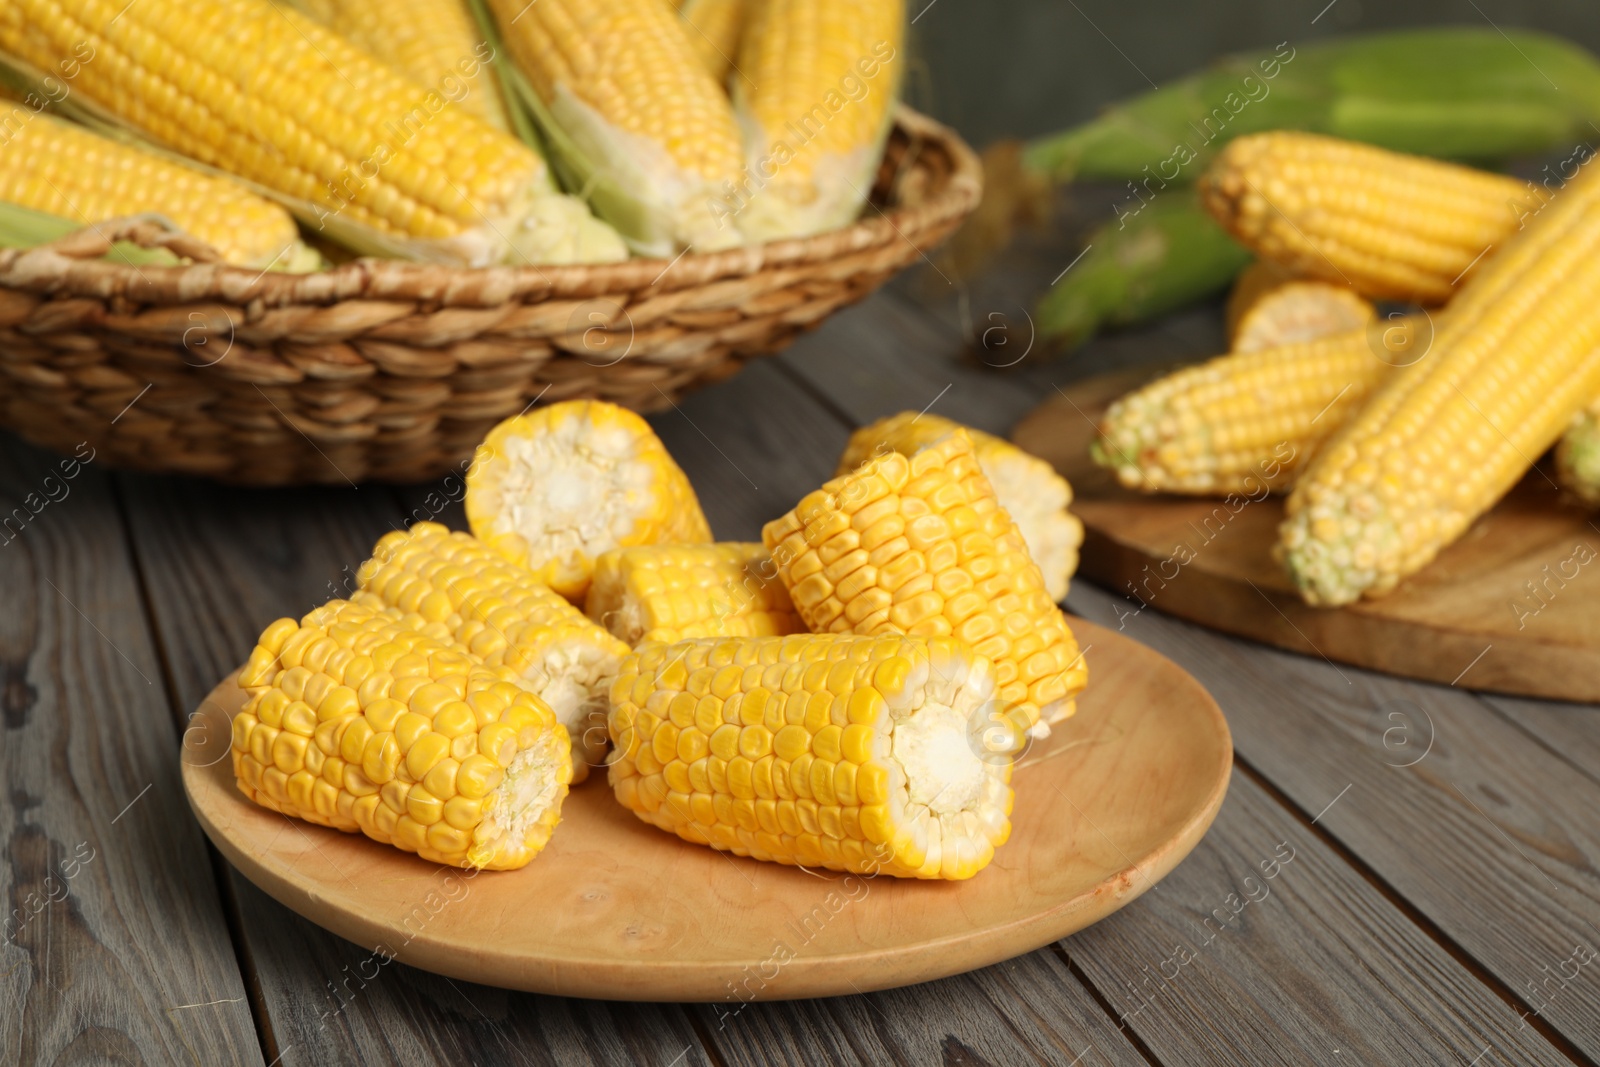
pixel 878 755
pixel 61 169
pixel 714 27
pixel 555 488
pixel 819 78
pixel 1249 422
pixel 1515 359
pixel 1387 225
pixel 268 94
pixel 1270 307
pixel 919 545
pixel 669 593
pixel 1027 487
pixel 498 612
pixel 1578 457
pixel 619 82
pixel 359 722
pixel 435 43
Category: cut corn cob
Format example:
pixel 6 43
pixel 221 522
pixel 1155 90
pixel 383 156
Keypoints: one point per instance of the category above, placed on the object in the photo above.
pixel 1030 490
pixel 1271 307
pixel 919 545
pixel 436 43
pixel 714 27
pixel 815 99
pixel 878 755
pixel 555 488
pixel 268 94
pixel 1249 422
pixel 1385 224
pixel 497 611
pixel 668 593
pixel 1578 457
pixel 61 169
pixel 1517 356
pixel 621 87
pixel 359 722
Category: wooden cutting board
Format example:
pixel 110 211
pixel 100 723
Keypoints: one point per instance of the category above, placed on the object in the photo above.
pixel 615 908
pixel 1513 607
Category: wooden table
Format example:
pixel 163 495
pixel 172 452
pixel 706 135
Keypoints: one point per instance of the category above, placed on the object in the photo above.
pixel 1434 853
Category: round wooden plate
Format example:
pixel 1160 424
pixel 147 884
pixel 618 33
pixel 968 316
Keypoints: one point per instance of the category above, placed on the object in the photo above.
pixel 1509 608
pixel 617 909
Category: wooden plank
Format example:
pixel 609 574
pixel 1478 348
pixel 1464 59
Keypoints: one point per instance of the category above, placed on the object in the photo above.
pixel 1266 947
pixel 1571 732
pixel 113 944
pixel 219 565
pixel 1471 823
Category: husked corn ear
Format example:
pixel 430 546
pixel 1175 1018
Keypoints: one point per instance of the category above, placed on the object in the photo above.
pixel 622 81
pixel 817 84
pixel 1389 225
pixel 1578 457
pixel 436 43
pixel 1249 422
pixel 918 545
pixel 1514 359
pixel 265 92
pixel 555 488
pixel 714 27
pixel 1028 488
pixel 498 612
pixel 61 169
pixel 878 755
pixel 1270 307
pixel 361 722
pixel 668 593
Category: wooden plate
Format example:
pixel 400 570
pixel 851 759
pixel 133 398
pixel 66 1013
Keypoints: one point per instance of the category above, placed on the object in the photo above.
pixel 1511 607
pixel 617 909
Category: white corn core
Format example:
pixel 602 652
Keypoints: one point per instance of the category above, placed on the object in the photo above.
pixel 943 771
pixel 573 679
pixel 523 797
pixel 1051 534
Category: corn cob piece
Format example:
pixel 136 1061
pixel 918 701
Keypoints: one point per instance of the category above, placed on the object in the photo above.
pixel 267 93
pixel 1270 307
pixel 1578 457
pixel 1028 488
pixel 714 27
pixel 61 169
pixel 620 82
pixel 1515 359
pixel 1388 225
pixel 359 722
pixel 819 79
pixel 669 593
pixel 878 755
pixel 1249 422
pixel 436 43
pixel 555 488
pixel 498 612
pixel 919 545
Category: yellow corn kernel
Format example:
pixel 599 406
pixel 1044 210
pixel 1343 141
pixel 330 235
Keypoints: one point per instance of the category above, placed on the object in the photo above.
pixel 668 593
pixel 1270 307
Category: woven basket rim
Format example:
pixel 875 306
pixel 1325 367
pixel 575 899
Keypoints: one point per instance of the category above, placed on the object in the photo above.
pixel 71 267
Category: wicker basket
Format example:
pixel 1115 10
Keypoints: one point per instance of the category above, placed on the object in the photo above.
pixel 388 371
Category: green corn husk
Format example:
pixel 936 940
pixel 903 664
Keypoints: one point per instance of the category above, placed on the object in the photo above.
pixel 22 227
pixel 1578 458
pixel 1169 254
pixel 1457 93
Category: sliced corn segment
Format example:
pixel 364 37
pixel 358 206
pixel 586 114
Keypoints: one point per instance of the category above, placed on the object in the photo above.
pixel 1271 307
pixel 555 488
pixel 878 755
pixel 62 169
pixel 620 80
pixel 815 98
pixel 714 27
pixel 1030 490
pixel 919 545
pixel 1516 357
pixel 267 93
pixel 436 43
pixel 668 593
pixel 360 722
pixel 1388 225
pixel 498 612
pixel 1578 457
